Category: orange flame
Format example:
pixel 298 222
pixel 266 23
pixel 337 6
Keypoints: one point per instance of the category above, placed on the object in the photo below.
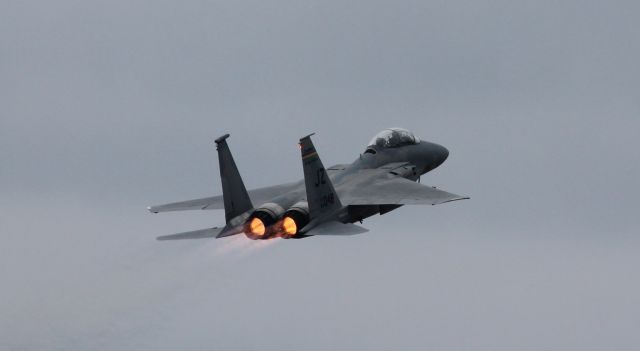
pixel 289 226
pixel 256 227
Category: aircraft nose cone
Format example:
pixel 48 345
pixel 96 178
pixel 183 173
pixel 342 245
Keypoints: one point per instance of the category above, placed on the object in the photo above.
pixel 433 155
pixel 441 153
pixel 444 153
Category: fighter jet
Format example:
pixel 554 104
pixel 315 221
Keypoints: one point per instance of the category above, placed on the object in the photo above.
pixel 328 201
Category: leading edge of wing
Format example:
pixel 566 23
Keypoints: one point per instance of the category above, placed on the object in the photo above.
pixel 258 196
pixel 398 191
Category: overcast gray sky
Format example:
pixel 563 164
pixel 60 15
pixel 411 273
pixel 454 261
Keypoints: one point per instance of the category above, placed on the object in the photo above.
pixel 109 106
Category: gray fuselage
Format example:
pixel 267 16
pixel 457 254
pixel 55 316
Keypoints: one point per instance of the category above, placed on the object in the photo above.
pixel 408 161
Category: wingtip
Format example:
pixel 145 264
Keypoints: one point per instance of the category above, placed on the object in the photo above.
pixel 456 199
pixel 150 209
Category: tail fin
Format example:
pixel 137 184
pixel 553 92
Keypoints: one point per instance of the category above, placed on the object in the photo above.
pixel 321 196
pixel 235 196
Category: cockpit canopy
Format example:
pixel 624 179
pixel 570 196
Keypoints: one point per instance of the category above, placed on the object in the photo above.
pixel 394 137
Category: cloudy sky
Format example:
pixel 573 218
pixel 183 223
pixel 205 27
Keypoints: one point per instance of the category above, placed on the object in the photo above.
pixel 109 106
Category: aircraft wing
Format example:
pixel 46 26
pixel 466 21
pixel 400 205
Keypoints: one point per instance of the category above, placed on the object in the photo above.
pixel 395 191
pixel 258 196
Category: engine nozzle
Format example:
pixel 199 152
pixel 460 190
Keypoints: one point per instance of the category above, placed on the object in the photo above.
pixel 294 220
pixel 259 226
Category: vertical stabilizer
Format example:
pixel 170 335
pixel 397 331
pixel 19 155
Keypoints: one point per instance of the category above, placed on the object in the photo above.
pixel 235 196
pixel 321 196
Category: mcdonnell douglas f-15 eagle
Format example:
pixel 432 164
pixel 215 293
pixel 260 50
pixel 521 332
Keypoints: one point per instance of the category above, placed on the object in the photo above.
pixel 328 200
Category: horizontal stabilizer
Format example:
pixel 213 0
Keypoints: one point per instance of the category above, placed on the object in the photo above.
pixel 230 230
pixel 196 234
pixel 337 228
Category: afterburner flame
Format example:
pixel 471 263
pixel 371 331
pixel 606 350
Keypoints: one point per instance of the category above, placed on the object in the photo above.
pixel 289 226
pixel 256 227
